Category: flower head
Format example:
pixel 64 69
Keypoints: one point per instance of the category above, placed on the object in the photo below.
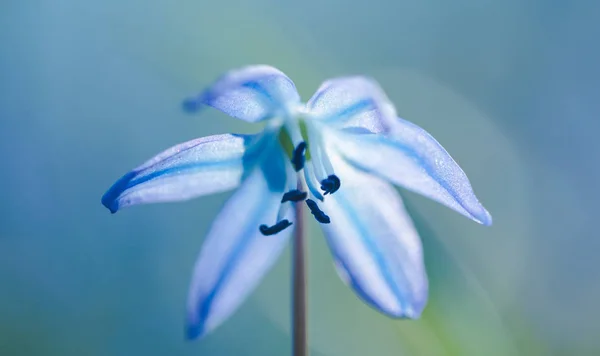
pixel 347 147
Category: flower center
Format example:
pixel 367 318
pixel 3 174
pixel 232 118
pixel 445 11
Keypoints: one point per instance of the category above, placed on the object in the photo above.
pixel 310 167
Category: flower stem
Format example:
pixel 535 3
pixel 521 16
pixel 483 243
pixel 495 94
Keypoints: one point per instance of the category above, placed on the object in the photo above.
pixel 299 346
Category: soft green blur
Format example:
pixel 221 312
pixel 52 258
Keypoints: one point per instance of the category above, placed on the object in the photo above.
pixel 91 89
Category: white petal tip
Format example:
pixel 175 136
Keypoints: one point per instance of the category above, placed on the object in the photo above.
pixel 191 105
pixel 485 218
pixel 193 332
pixel 412 311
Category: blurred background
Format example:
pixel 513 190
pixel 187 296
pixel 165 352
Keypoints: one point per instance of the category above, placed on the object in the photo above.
pixel 91 89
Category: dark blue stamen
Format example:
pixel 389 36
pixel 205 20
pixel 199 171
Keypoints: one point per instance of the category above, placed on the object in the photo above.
pixel 272 230
pixel 294 195
pixel 330 184
pixel 319 215
pixel 298 156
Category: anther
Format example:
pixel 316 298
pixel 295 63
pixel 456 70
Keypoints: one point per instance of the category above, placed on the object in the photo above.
pixel 319 215
pixel 272 230
pixel 330 184
pixel 294 195
pixel 298 156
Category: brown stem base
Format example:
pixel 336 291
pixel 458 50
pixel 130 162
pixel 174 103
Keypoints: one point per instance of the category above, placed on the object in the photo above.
pixel 300 345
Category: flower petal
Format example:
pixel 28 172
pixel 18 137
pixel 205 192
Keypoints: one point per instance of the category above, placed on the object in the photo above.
pixel 376 248
pixel 412 158
pixel 235 255
pixel 253 94
pixel 191 169
pixel 352 101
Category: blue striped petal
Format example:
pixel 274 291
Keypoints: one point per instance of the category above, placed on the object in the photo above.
pixel 352 101
pixel 235 255
pixel 194 168
pixel 252 94
pixel 376 248
pixel 410 157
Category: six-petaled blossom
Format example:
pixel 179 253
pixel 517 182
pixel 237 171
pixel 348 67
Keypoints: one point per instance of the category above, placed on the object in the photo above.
pixel 347 147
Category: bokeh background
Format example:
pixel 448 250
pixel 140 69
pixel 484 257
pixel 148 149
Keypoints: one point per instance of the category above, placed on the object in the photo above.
pixel 90 89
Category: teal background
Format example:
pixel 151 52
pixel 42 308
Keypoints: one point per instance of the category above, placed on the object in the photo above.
pixel 90 89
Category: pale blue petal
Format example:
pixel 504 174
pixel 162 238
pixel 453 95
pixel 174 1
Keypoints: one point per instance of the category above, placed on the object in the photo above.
pixel 376 248
pixel 311 181
pixel 203 166
pixel 253 94
pixel 235 255
pixel 410 157
pixel 352 101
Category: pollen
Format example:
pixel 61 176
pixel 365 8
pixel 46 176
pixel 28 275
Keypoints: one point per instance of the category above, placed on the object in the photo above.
pixel 272 230
pixel 294 195
pixel 298 156
pixel 319 215
pixel 330 184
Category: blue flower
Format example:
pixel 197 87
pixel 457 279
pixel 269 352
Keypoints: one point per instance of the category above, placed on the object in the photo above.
pixel 347 147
